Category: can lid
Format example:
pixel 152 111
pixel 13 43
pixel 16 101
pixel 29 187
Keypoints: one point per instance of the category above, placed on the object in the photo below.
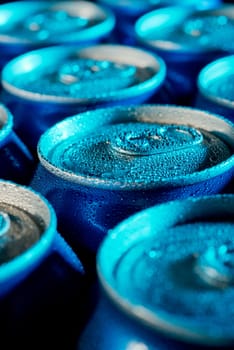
pixel 27 230
pixel 185 30
pixel 18 232
pixel 216 81
pixel 85 75
pixel 24 217
pixel 139 147
pixel 172 267
pixel 37 23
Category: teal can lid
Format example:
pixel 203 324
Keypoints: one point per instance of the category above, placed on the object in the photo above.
pixel 170 267
pixel 216 81
pixel 27 230
pixel 44 23
pixel 89 75
pixel 147 146
pixel 186 30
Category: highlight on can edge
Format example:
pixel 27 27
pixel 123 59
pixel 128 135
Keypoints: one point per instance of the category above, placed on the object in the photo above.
pixel 216 87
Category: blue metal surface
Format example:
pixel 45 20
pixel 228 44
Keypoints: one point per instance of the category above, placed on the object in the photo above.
pixel 16 161
pixel 99 167
pixel 40 275
pixel 165 275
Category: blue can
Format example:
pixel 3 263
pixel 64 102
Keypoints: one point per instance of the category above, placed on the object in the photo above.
pixel 42 281
pixel 216 87
pixel 16 162
pixel 187 40
pixel 128 11
pixel 98 167
pixel 46 85
pixel 27 25
pixel 165 276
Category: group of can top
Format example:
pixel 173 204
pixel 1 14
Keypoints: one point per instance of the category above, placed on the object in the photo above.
pixel 117 154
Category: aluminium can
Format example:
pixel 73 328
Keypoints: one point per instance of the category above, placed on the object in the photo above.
pixel 28 25
pixel 216 87
pixel 44 86
pixel 187 40
pixel 128 11
pixel 98 167
pixel 166 279
pixel 42 281
pixel 16 161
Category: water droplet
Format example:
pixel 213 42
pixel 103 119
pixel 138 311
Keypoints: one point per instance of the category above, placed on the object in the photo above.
pixel 154 254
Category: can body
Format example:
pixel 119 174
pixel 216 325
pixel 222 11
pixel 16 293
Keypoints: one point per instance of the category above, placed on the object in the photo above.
pixel 216 88
pixel 16 161
pixel 173 244
pixel 40 276
pixel 95 186
pixel 64 81
pixel 28 25
pixel 187 40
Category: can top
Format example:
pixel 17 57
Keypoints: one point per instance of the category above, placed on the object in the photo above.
pixel 185 30
pixel 88 75
pixel 171 267
pixel 37 23
pixel 216 81
pixel 137 7
pixel 27 228
pixel 132 147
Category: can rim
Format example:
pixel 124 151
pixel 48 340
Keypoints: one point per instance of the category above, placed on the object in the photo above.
pixel 217 68
pixel 131 55
pixel 93 33
pixel 141 57
pixel 143 23
pixel 18 268
pixel 58 132
pixel 120 238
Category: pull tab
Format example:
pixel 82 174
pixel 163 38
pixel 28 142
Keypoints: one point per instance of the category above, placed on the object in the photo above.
pixel 215 267
pixel 4 224
pixel 150 139
pixel 91 74
pixel 51 22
